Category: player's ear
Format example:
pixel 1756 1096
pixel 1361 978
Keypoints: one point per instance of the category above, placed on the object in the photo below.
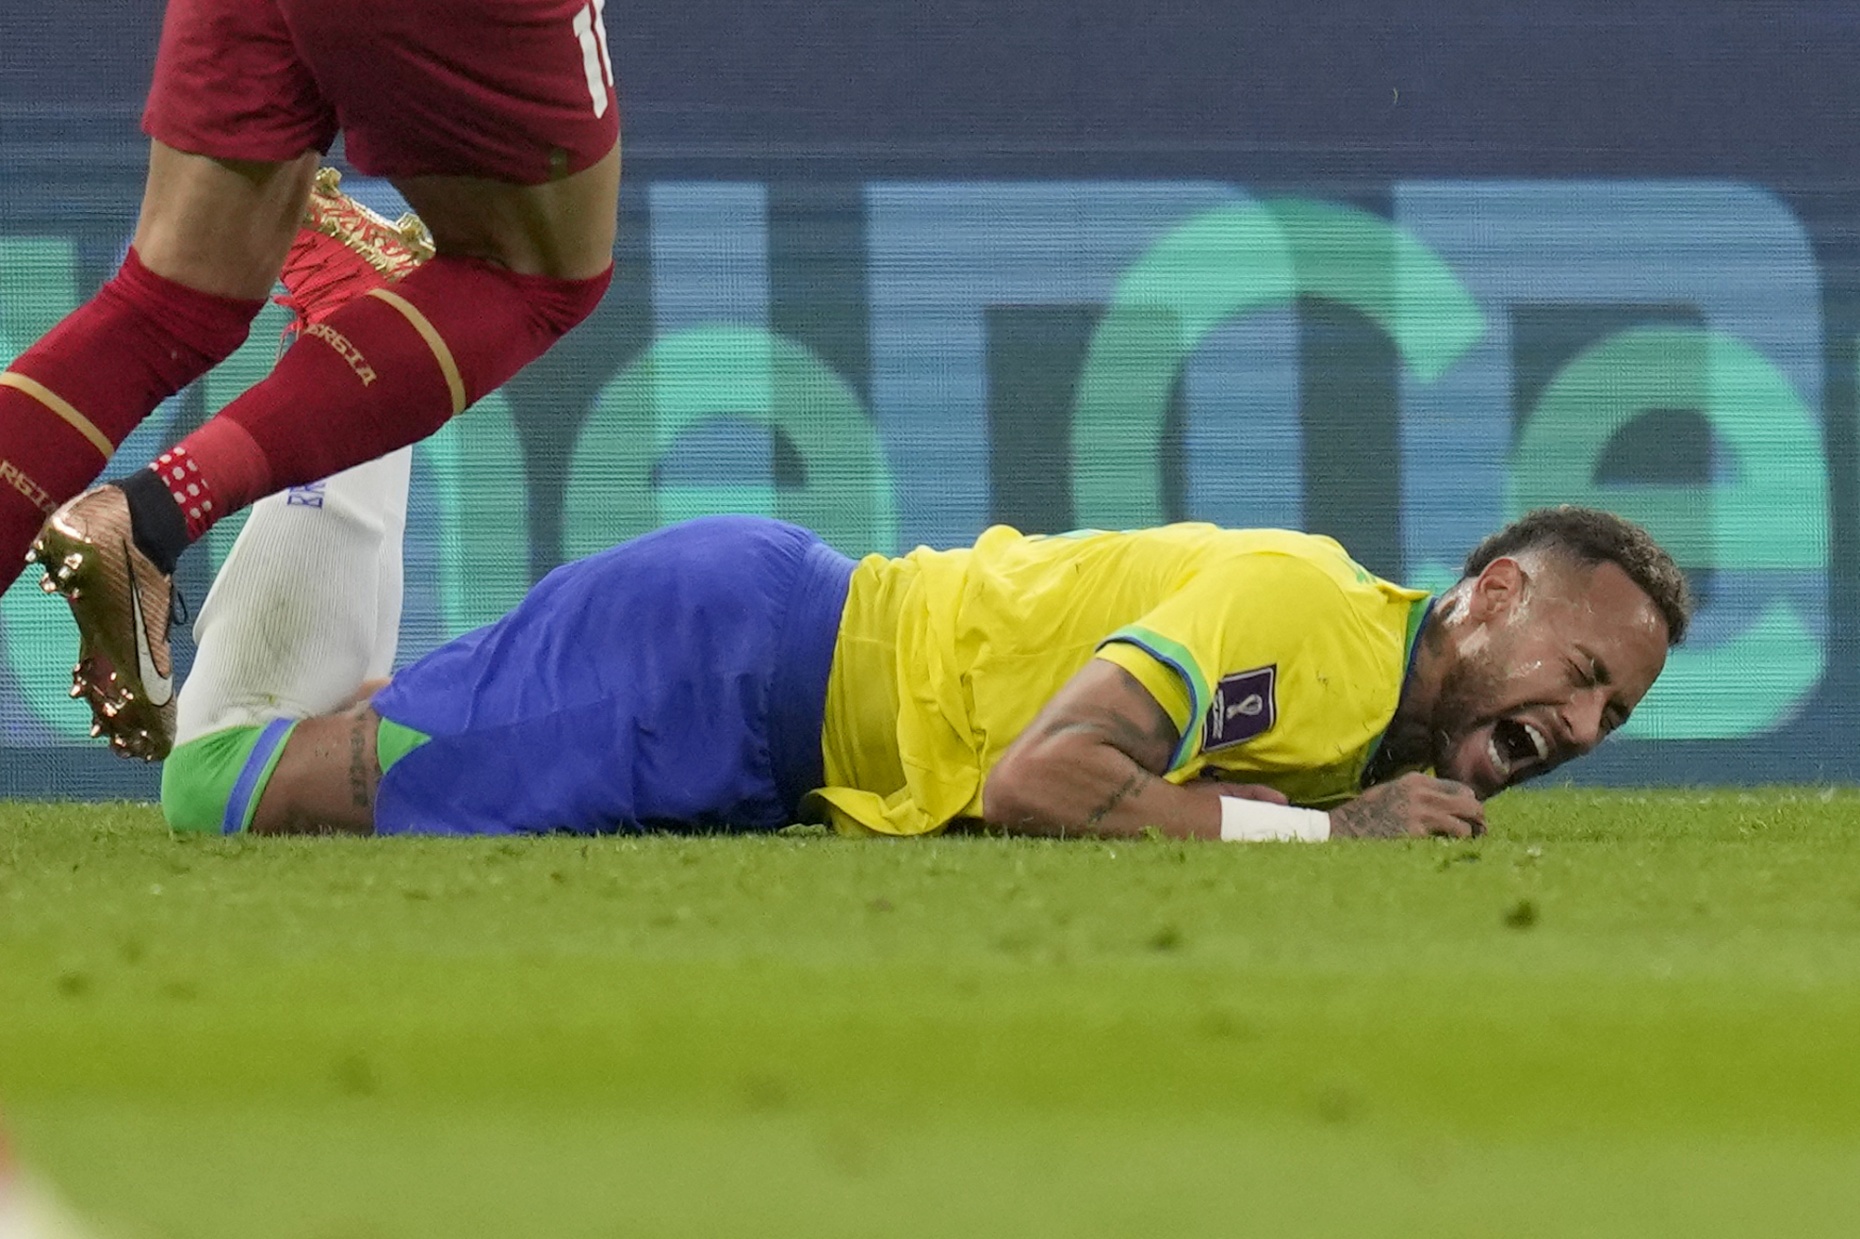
pixel 1497 590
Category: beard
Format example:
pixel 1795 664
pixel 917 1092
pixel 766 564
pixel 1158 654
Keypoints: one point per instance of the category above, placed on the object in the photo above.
pixel 1469 693
pixel 1472 686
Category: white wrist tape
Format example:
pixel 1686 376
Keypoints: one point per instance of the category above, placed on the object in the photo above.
pixel 1255 821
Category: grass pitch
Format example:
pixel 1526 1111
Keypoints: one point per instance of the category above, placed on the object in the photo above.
pixel 1623 1015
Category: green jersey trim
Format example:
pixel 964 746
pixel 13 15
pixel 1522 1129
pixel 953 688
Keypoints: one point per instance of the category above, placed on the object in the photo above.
pixel 1418 611
pixel 213 784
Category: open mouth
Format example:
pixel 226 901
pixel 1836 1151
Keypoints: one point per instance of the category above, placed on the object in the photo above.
pixel 1514 747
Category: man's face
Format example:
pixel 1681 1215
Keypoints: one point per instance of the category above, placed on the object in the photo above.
pixel 1547 659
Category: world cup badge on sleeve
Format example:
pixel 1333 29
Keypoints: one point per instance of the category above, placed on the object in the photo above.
pixel 1244 706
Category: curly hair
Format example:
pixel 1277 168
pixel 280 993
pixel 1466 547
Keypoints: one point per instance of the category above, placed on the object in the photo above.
pixel 1592 536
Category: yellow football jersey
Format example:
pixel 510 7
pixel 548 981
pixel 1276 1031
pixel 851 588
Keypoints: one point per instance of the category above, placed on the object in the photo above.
pixel 1279 658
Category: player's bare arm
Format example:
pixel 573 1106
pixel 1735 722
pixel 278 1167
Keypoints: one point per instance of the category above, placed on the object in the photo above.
pixel 1091 764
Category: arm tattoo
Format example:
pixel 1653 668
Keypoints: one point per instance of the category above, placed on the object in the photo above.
pixel 1141 744
pixel 1127 735
pixel 360 763
pixel 1138 780
pixel 1378 817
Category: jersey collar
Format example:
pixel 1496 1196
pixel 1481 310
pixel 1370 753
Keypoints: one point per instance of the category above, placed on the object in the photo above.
pixel 1418 613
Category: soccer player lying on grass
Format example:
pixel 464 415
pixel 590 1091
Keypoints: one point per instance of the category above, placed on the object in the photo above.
pixel 736 673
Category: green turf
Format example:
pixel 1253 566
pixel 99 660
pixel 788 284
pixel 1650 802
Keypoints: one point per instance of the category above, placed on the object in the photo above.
pixel 1623 1015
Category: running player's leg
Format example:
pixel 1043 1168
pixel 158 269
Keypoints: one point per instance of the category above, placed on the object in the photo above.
pixel 341 252
pixel 500 125
pixel 517 267
pixel 204 256
pixel 520 159
pixel 236 123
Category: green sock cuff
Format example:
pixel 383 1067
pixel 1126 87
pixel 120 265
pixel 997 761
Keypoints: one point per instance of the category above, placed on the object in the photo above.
pixel 394 741
pixel 203 777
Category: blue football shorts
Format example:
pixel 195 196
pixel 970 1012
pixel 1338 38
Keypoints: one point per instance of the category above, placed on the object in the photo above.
pixel 676 681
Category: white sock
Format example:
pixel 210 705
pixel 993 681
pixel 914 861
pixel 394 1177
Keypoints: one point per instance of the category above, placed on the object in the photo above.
pixel 306 607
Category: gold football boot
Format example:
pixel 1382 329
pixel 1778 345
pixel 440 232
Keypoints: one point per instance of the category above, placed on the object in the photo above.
pixel 124 606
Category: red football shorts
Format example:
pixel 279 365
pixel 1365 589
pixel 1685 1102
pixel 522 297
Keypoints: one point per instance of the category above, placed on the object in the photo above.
pixel 517 90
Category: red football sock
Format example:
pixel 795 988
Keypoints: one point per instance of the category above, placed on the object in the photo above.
pixel 66 402
pixel 385 370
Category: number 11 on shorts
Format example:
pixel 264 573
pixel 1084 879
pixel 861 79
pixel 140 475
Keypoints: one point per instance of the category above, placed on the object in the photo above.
pixel 591 32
